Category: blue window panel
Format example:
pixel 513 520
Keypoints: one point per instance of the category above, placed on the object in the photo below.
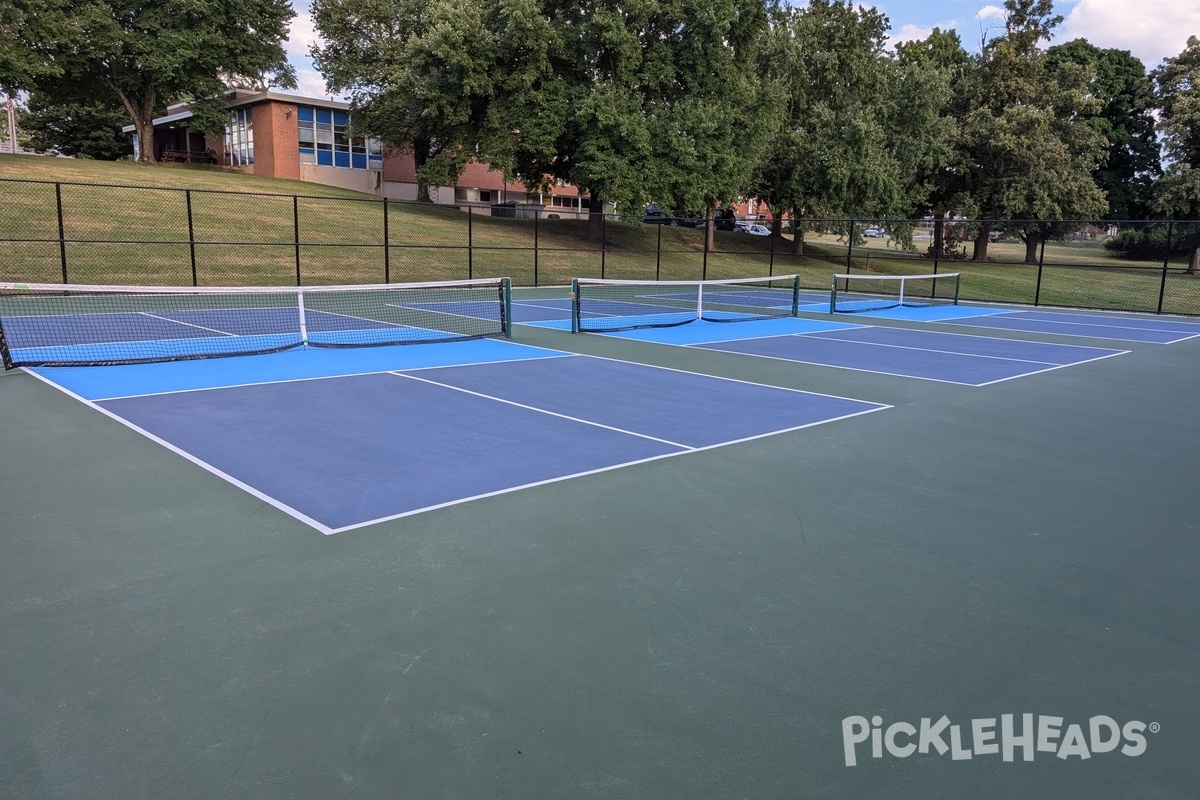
pixel 325 158
pixel 307 150
pixel 306 113
pixel 324 115
pixel 339 118
pixel 358 161
pixel 341 159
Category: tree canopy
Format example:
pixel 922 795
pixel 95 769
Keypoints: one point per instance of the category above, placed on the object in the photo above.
pixel 145 55
pixel 1177 81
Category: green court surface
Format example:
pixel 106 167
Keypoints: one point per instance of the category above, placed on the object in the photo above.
pixel 694 627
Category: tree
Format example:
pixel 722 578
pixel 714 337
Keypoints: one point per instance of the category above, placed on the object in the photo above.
pixel 87 129
pixel 858 126
pixel 1177 194
pixel 1125 119
pixel 147 55
pixel 1177 81
pixel 1025 152
pixel 418 74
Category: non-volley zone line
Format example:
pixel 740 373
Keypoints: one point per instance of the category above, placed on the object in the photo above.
pixel 1087 325
pixel 360 449
pixel 912 353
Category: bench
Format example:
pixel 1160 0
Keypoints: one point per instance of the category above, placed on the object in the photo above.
pixel 189 156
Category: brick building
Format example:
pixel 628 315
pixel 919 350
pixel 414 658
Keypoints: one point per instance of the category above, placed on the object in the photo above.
pixel 305 138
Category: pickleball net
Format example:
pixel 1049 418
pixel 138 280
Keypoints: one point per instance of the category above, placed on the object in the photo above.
pixel 856 293
pixel 600 306
pixel 76 325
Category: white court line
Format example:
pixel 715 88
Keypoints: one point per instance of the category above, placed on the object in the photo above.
pixel 327 377
pixel 543 411
pixel 946 352
pixel 181 322
pixel 598 471
pixel 831 366
pixel 738 380
pixel 1059 366
pixel 1016 315
pixel 271 501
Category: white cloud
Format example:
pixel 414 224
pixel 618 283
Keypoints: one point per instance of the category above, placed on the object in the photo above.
pixel 1150 29
pixel 910 33
pixel 302 35
pixel 990 12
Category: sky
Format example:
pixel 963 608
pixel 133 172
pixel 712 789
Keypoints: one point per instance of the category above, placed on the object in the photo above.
pixel 1150 29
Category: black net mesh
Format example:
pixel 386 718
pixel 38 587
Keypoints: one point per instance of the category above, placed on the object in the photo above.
pixel 624 305
pixel 63 325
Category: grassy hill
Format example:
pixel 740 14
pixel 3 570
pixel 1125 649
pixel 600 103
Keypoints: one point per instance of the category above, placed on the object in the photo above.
pixel 175 224
pixel 129 223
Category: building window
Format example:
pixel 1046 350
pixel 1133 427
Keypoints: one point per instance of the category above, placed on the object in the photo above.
pixel 239 139
pixel 325 140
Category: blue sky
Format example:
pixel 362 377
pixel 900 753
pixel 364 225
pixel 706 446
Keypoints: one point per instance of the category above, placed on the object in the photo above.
pixel 1151 29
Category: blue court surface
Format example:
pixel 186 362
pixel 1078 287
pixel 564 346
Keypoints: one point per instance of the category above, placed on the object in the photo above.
pixel 929 355
pixel 400 430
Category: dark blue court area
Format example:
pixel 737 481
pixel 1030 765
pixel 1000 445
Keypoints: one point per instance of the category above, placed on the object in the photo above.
pixel 1090 326
pixel 403 436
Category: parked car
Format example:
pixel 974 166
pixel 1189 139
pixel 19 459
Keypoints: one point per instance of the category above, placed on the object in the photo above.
pixel 757 230
pixel 875 232
pixel 655 215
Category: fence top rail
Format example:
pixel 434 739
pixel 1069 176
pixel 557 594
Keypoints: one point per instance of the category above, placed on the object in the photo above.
pixel 182 189
pixel 87 288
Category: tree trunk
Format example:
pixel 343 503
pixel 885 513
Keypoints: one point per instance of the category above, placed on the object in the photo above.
pixel 939 238
pixel 1032 240
pixel 797 234
pixel 709 227
pixel 141 113
pixel 420 153
pixel 595 226
pixel 1193 267
pixel 981 243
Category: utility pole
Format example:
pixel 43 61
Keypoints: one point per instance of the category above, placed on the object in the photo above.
pixel 12 126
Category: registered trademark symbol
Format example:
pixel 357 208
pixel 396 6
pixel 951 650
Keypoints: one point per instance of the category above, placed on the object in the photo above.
pixel 1155 727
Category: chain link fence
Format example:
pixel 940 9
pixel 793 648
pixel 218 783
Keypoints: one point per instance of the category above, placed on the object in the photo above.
pixel 60 232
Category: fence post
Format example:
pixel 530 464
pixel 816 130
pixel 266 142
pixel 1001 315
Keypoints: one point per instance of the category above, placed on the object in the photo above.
pixel 470 243
pixel 537 215
pixel 1037 291
pixel 1162 286
pixel 296 232
pixel 62 231
pixel 850 246
pixel 187 193
pixel 387 245
pixel 771 262
pixel 603 239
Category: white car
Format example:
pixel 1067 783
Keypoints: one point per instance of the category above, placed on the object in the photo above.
pixel 757 230
pixel 875 233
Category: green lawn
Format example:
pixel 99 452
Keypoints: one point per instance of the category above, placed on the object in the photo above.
pixel 128 223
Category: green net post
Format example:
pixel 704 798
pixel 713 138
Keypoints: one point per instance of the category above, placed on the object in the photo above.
pixel 574 305
pixel 795 295
pixel 506 298
pixel 957 282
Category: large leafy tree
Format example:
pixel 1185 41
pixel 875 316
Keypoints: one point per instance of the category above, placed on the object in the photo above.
pixel 91 129
pixel 145 55
pixel 418 73
pixel 1025 150
pixel 1177 81
pixel 860 127
pixel 1126 120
